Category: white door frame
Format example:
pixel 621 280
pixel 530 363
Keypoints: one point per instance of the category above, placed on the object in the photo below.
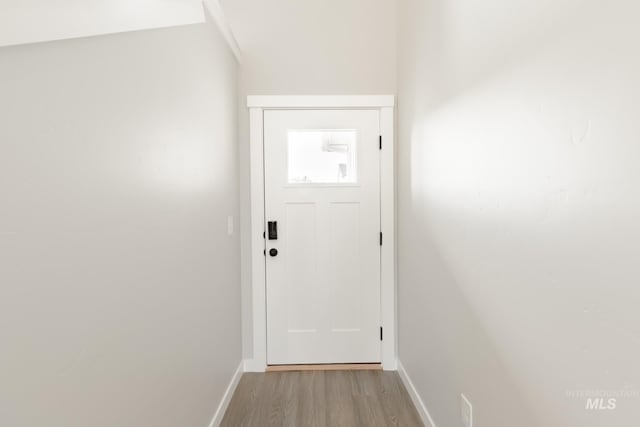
pixel 385 105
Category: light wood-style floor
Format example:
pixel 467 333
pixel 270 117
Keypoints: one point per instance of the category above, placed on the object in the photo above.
pixel 321 399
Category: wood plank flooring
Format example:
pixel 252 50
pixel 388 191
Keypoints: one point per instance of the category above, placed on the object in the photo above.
pixel 321 399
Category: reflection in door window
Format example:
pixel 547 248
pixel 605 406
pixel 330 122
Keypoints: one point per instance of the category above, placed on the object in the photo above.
pixel 322 156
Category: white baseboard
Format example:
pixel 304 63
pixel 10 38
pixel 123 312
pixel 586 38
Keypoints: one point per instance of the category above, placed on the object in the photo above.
pixel 417 401
pixel 226 398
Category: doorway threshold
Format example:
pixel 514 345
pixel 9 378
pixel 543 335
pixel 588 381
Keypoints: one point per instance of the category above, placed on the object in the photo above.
pixel 326 367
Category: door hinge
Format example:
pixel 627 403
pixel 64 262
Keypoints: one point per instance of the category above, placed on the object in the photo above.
pixel 381 142
pixel 380 333
pixel 381 238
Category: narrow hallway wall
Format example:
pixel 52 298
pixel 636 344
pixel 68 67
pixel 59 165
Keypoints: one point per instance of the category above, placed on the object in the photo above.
pixel 119 285
pixel 519 237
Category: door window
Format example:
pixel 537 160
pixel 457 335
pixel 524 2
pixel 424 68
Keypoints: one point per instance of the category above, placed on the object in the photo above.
pixel 322 156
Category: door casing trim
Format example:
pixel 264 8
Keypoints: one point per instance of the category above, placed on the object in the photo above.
pixel 385 105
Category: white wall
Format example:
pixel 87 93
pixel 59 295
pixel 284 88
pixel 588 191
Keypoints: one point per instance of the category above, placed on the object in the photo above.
pixel 518 208
pixel 119 286
pixel 30 21
pixel 291 47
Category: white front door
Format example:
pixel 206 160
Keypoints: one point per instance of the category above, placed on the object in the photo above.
pixel 322 207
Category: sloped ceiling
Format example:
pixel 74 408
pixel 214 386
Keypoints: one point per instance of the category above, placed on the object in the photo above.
pixel 31 21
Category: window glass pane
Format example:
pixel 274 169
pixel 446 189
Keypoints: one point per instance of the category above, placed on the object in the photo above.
pixel 322 156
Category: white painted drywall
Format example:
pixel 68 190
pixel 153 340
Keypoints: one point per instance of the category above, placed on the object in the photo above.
pixel 291 47
pixel 519 208
pixel 31 21
pixel 119 286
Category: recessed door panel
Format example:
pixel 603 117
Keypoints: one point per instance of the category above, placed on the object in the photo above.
pixel 301 266
pixel 345 270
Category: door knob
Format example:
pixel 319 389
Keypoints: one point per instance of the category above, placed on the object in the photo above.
pixel 273 252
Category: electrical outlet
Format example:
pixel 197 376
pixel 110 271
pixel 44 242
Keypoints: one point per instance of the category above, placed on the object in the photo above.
pixel 466 411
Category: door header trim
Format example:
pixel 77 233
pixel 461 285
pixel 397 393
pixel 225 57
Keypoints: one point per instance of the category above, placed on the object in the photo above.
pixel 320 101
